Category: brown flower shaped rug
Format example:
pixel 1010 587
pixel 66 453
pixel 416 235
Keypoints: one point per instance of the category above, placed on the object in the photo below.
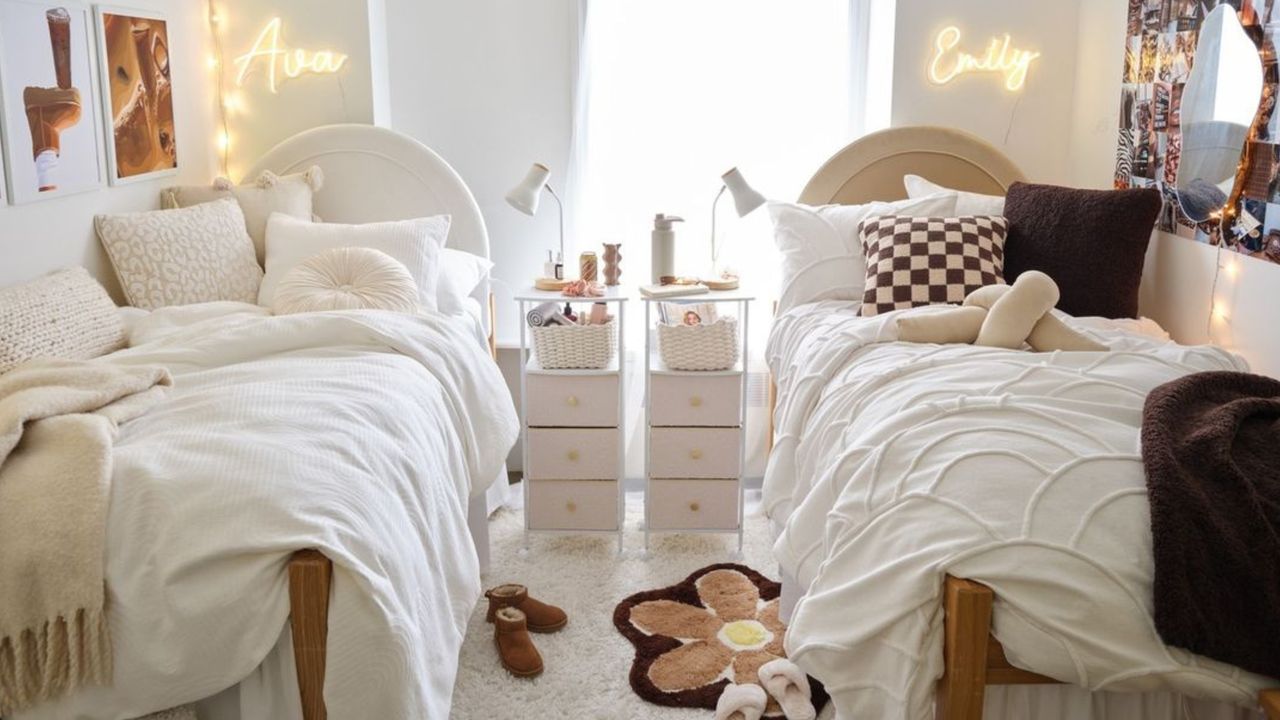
pixel 717 626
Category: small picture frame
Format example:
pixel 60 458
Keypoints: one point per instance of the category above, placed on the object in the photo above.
pixel 137 93
pixel 50 124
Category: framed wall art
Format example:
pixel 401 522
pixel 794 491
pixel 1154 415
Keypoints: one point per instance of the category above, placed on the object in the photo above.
pixel 137 93
pixel 49 113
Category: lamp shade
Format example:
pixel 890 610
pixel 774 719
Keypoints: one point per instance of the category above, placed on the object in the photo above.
pixel 524 197
pixel 745 197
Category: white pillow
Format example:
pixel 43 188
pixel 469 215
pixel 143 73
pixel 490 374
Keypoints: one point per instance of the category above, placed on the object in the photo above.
pixel 346 278
pixel 822 256
pixel 415 243
pixel 461 274
pixel 967 203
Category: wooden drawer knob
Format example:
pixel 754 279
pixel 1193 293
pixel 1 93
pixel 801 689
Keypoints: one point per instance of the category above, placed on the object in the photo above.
pixel 694 506
pixel 571 401
pixel 695 401
pixel 571 506
pixel 695 454
pixel 572 455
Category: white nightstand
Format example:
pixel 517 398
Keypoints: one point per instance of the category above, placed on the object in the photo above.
pixel 573 433
pixel 695 446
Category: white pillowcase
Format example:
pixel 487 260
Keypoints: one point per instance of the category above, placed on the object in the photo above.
pixel 461 274
pixel 967 203
pixel 415 243
pixel 822 257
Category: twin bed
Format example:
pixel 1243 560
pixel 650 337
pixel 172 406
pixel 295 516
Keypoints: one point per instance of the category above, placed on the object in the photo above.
pixel 306 509
pixel 967 513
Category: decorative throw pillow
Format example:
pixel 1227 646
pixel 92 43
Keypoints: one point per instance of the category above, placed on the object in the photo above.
pixel 967 203
pixel 178 257
pixel 269 193
pixel 416 244
pixel 822 255
pixel 64 315
pixel 348 278
pixel 914 261
pixel 1091 242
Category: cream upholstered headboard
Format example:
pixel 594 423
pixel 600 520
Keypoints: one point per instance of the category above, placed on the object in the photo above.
pixel 871 168
pixel 373 174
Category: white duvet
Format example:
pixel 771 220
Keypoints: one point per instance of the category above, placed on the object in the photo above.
pixel 362 434
pixel 897 464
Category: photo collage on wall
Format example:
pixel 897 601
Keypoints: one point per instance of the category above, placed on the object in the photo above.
pixel 1160 48
pixel 65 129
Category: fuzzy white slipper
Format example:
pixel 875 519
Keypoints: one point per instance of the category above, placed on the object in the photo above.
pixel 788 684
pixel 741 702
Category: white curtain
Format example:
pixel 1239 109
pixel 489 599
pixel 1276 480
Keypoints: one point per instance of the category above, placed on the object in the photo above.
pixel 672 93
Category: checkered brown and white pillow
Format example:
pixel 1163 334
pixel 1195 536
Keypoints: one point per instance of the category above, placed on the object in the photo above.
pixel 914 261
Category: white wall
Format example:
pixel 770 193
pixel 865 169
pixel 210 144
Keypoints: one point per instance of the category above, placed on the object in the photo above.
pixel 55 233
pixel 1034 126
pixel 488 85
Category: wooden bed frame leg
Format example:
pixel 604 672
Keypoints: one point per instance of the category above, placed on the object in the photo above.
pixel 1270 701
pixel 310 576
pixel 966 630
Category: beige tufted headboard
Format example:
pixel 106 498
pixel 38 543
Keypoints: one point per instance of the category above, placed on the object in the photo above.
pixel 872 167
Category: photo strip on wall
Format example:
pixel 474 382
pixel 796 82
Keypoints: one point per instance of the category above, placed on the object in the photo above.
pixel 1160 52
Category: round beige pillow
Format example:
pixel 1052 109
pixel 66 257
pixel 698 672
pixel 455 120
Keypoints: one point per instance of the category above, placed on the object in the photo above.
pixel 349 278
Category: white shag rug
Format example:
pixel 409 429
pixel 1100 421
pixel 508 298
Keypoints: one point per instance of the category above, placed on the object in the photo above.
pixel 588 662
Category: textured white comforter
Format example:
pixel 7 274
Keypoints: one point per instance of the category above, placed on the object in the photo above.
pixel 359 433
pixel 897 464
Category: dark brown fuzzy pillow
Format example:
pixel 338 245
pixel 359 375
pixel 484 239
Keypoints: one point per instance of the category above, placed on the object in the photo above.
pixel 1091 242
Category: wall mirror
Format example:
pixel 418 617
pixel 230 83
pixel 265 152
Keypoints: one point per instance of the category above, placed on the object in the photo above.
pixel 1218 106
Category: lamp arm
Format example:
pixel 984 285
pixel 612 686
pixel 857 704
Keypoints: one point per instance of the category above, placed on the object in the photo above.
pixel 559 205
pixel 714 204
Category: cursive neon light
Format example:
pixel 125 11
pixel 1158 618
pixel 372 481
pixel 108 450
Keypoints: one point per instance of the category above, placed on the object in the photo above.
pixel 291 63
pixel 949 63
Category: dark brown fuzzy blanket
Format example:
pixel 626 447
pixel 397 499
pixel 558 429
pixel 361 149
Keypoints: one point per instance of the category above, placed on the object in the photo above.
pixel 1211 447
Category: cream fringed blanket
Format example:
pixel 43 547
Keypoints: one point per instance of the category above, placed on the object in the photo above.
pixel 57 425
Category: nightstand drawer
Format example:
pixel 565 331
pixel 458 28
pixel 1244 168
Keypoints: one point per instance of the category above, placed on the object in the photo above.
pixel 572 400
pixel 694 452
pixel 689 400
pixel 573 505
pixel 573 454
pixel 693 504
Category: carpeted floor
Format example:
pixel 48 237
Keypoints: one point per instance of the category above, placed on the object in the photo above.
pixel 588 661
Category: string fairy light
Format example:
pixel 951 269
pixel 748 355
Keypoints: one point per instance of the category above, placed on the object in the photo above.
pixel 222 137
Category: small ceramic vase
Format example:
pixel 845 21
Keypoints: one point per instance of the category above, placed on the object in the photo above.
pixel 612 256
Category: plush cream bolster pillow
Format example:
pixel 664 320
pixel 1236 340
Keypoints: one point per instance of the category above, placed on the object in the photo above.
pixel 1048 334
pixel 947 326
pixel 1012 317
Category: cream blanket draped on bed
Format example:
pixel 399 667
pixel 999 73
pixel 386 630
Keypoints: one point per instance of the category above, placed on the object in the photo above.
pixel 58 422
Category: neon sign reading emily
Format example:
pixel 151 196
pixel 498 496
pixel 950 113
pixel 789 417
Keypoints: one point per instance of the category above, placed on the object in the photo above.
pixel 291 63
pixel 949 64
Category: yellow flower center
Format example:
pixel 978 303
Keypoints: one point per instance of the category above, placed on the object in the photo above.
pixel 745 635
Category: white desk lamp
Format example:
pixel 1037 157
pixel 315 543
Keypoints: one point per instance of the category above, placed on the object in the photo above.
pixel 745 200
pixel 525 196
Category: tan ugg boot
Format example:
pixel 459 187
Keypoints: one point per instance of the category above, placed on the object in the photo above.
pixel 515 647
pixel 542 618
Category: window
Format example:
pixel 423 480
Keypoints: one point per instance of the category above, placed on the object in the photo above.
pixel 672 93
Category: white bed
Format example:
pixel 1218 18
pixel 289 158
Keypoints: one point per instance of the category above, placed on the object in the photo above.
pixel 897 464
pixel 370 436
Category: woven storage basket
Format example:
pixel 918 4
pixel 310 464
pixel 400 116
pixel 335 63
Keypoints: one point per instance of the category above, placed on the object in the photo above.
pixel 589 347
pixel 713 346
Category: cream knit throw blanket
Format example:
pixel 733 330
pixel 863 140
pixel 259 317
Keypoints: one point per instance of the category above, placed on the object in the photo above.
pixel 58 421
